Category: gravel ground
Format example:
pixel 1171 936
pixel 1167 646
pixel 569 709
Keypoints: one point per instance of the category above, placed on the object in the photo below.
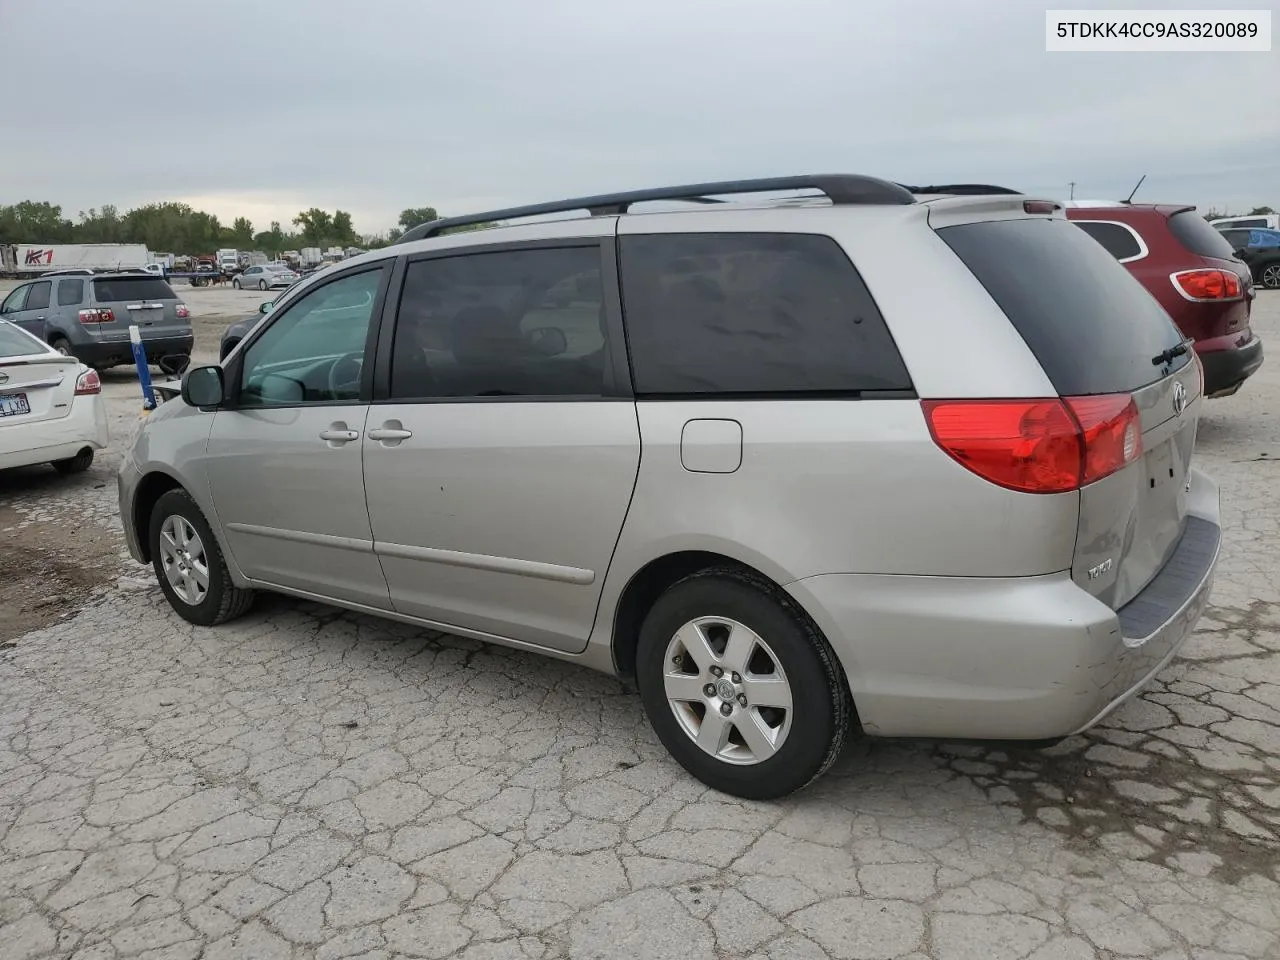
pixel 307 783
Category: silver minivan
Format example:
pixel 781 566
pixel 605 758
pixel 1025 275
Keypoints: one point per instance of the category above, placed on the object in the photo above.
pixel 905 462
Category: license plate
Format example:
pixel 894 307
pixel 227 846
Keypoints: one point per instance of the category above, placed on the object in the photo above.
pixel 13 404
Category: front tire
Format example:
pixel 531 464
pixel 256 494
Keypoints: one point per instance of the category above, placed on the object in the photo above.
pixel 740 686
pixel 235 284
pixel 81 462
pixel 189 564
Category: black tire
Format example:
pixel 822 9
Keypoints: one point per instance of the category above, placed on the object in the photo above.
pixel 262 285
pixel 1269 275
pixel 223 600
pixel 236 284
pixel 821 705
pixel 62 345
pixel 81 462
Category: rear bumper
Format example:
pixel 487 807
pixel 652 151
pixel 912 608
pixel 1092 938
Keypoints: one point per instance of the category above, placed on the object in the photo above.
pixel 1227 363
pixel 43 441
pixel 1028 658
pixel 106 353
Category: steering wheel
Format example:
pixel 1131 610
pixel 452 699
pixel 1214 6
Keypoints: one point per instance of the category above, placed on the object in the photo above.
pixel 339 383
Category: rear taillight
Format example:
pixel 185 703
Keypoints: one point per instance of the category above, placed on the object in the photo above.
pixel 1208 284
pixel 88 384
pixel 97 315
pixel 183 312
pixel 1038 446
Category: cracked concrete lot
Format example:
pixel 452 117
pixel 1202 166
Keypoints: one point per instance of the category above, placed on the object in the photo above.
pixel 310 784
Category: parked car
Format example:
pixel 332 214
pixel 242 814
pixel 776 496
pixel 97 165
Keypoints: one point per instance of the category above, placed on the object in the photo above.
pixel 966 510
pixel 1267 221
pixel 1260 250
pixel 236 332
pixel 89 317
pixel 1193 272
pixel 265 277
pixel 51 408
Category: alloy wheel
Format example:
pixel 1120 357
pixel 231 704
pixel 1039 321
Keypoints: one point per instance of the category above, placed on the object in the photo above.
pixel 183 557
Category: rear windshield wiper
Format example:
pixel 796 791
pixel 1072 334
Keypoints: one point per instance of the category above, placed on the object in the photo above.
pixel 1168 356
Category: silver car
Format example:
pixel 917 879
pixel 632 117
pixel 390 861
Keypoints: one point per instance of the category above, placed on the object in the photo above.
pixel 266 277
pixel 738 455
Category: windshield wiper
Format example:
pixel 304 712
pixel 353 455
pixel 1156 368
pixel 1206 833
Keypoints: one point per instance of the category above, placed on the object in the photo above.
pixel 1168 356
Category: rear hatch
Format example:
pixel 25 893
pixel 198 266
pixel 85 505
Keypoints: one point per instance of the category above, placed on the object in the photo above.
pixel 1097 332
pixel 149 302
pixel 1220 313
pixel 34 384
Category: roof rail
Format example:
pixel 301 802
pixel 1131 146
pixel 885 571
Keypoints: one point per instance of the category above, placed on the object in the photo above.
pixel 964 189
pixel 840 188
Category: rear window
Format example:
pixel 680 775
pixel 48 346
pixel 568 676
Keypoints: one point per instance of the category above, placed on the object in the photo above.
pixel 14 342
pixel 751 315
pixel 1093 328
pixel 1196 236
pixel 133 289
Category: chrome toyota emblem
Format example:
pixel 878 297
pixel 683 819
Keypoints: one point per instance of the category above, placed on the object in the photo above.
pixel 4 377
pixel 1179 398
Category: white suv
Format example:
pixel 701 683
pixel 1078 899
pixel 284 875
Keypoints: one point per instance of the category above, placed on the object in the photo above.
pixel 891 460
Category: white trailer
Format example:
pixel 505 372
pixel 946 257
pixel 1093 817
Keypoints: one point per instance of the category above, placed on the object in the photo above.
pixel 28 259
pixel 310 256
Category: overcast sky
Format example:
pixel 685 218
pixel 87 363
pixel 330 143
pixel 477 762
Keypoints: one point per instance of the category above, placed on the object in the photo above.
pixel 262 109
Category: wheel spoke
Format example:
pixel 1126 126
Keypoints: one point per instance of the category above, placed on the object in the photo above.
pixel 694 641
pixel 767 691
pixel 685 687
pixel 737 652
pixel 167 544
pixel 713 735
pixel 200 576
pixel 755 734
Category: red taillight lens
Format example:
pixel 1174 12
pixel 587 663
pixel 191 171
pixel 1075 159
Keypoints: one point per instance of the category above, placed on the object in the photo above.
pixel 97 315
pixel 183 312
pixel 88 384
pixel 1207 284
pixel 1038 446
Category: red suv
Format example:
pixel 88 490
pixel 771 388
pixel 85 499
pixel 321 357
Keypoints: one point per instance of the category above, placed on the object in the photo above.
pixel 1191 269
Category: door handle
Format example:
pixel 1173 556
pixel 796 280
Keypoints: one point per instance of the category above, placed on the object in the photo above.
pixel 338 434
pixel 390 433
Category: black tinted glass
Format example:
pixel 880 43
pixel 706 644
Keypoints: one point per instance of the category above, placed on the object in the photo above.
pixel 1196 236
pixel 526 323
pixel 750 314
pixel 1115 238
pixel 1093 327
pixel 38 298
pixel 70 292
pixel 132 288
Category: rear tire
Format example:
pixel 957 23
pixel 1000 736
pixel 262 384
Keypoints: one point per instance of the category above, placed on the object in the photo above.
pixel 262 285
pixel 62 345
pixel 189 563
pixel 770 654
pixel 81 462
pixel 1269 276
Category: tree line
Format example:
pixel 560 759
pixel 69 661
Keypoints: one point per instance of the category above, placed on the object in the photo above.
pixel 178 228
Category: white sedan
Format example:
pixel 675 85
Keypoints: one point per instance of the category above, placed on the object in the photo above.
pixel 51 408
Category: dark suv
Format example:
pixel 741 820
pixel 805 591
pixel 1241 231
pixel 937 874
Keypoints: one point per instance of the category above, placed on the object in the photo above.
pixel 1193 272
pixel 1260 250
pixel 88 317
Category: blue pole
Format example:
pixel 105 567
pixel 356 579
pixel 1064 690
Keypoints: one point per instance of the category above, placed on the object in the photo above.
pixel 144 371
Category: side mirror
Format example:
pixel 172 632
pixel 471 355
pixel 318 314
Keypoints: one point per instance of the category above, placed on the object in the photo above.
pixel 549 341
pixel 203 387
pixel 265 308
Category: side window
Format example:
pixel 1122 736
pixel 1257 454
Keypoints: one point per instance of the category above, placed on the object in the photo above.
pixel 313 351
pixel 519 323
pixel 1117 239
pixel 38 298
pixel 752 314
pixel 17 300
pixel 70 292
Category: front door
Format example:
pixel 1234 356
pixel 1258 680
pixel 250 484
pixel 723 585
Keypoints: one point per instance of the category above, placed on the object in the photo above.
pixel 284 463
pixel 499 471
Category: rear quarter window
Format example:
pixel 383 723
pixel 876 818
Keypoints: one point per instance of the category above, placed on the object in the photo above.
pixel 1093 328
pixel 1116 238
pixel 1196 236
pixel 752 315
pixel 132 289
pixel 70 292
